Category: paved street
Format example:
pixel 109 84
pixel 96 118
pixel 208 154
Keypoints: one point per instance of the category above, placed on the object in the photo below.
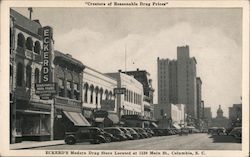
pixel 191 142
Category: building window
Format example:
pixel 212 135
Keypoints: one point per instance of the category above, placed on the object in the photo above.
pixel 28 76
pixel 68 89
pixel 19 79
pixel 20 40
pixel 91 95
pixel 101 93
pixel 61 87
pixel 86 93
pixel 96 95
pixel 37 75
pixel 29 44
pixel 106 95
pixel 37 47
pixel 76 91
pixel 161 112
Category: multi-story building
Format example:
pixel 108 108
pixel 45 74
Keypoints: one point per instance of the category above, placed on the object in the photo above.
pixel 129 104
pixel 235 115
pixel 30 116
pixel 186 80
pixel 199 97
pixel 207 116
pixel 143 77
pixel 68 73
pixel 220 120
pixel 99 97
pixel 202 110
pixel 177 83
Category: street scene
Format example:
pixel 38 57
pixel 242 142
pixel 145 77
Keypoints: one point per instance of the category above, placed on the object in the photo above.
pixel 202 142
pixel 125 79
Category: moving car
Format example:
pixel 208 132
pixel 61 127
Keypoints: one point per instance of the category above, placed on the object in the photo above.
pixel 116 132
pixel 85 134
pixel 221 131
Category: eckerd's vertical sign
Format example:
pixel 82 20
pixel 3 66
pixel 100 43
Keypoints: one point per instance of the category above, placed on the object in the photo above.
pixel 47 48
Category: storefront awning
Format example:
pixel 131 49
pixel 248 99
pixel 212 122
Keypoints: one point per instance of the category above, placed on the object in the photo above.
pixel 77 118
pixel 114 118
pixel 154 125
pixel 99 120
pixel 176 126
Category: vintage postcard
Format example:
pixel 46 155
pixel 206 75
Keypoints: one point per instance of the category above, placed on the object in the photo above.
pixel 124 78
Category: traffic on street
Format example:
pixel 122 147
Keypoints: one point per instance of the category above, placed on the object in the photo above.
pixel 190 141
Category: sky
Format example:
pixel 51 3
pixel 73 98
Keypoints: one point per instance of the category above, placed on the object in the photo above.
pixel 99 36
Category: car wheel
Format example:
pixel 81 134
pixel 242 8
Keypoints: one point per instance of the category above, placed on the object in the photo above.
pixel 70 140
pixel 108 139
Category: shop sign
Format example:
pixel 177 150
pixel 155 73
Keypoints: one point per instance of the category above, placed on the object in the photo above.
pixel 119 90
pixel 108 105
pixel 59 116
pixel 45 90
pixel 47 48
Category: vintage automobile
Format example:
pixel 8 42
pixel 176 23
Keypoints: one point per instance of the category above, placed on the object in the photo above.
pixel 221 131
pixel 116 132
pixel 133 133
pixel 236 133
pixel 85 134
pixel 109 137
pixel 142 132
pixel 184 131
pixel 127 133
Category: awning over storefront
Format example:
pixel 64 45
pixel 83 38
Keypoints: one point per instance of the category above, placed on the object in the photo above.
pixel 154 125
pixel 99 120
pixel 176 126
pixel 114 118
pixel 77 118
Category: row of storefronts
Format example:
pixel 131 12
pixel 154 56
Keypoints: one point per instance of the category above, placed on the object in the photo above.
pixel 83 96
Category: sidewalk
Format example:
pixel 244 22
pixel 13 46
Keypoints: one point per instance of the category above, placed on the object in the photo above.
pixel 34 144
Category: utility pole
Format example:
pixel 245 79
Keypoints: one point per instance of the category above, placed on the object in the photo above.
pixel 30 10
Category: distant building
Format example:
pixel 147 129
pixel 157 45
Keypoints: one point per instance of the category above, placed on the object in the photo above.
pixel 220 120
pixel 208 116
pixel 199 97
pixel 235 115
pixel 176 118
pixel 177 83
pixel 143 77
pixel 130 104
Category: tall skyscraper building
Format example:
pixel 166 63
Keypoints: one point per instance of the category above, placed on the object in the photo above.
pixel 177 82
pixel 199 98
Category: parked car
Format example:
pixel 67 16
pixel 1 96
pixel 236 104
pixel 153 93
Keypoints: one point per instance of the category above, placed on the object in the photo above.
pixel 109 137
pixel 184 131
pixel 85 134
pixel 149 131
pixel 236 133
pixel 127 133
pixel 116 132
pixel 133 133
pixel 142 132
pixel 158 132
